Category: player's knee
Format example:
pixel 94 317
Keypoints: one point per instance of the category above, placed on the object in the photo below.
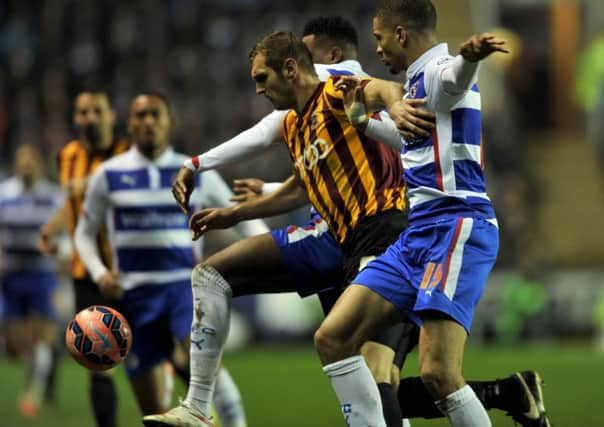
pixel 330 346
pixel 439 379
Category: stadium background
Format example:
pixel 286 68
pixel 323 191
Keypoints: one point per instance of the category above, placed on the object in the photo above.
pixel 544 140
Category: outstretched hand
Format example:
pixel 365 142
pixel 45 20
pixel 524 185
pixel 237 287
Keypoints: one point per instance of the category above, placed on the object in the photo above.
pixel 182 187
pixel 480 46
pixel 246 189
pixel 211 219
pixel 354 101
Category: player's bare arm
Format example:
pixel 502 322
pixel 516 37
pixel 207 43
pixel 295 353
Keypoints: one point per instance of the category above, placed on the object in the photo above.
pixel 289 196
pixel 48 232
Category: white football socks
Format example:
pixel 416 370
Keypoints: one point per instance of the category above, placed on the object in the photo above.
pixel 227 401
pixel 209 330
pixel 357 391
pixel 463 409
pixel 41 365
pixel 169 385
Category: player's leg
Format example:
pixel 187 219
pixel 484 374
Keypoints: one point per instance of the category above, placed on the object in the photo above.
pixel 160 318
pixel 228 401
pixel 355 318
pixel 379 352
pixel 441 347
pixel 43 326
pixel 520 395
pixel 18 340
pixel 150 389
pixel 454 272
pixel 43 332
pixel 379 357
pixel 250 266
pixel 102 391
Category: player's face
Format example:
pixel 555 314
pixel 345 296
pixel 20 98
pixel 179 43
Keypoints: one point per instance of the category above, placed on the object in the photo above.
pixel 272 84
pixel 28 164
pixel 93 118
pixel 389 48
pixel 321 52
pixel 149 123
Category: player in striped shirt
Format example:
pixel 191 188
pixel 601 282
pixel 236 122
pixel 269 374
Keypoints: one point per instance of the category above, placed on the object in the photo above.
pixel 28 200
pixel 151 246
pixel 93 120
pixel 436 272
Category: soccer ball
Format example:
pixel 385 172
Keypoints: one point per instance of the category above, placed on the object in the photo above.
pixel 98 337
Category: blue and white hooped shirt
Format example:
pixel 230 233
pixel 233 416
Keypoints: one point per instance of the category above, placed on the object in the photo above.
pixel 22 212
pixel 444 172
pixel 148 233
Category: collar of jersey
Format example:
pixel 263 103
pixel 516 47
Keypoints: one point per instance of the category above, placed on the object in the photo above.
pixel 441 49
pixel 161 160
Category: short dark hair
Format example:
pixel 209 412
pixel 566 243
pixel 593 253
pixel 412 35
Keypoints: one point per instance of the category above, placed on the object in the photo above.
pixel 156 94
pixel 96 90
pixel 417 15
pixel 279 46
pixel 335 28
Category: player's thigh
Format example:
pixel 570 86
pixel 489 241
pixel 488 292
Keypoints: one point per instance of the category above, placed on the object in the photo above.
pixel 359 313
pixel 150 389
pixel 18 336
pixel 253 265
pixel 441 344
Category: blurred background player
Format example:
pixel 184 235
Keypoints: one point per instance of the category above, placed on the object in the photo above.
pixel 152 251
pixel 28 200
pixel 93 120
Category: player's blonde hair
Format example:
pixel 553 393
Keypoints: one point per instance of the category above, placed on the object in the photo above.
pixel 282 45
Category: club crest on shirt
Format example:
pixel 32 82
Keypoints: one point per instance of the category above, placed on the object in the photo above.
pixel 413 89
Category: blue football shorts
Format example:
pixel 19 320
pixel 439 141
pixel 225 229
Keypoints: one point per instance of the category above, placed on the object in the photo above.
pixel 440 266
pixel 158 314
pixel 29 293
pixel 312 256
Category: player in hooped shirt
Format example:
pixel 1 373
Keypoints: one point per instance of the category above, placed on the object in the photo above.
pixel 29 279
pixel 151 246
pixel 436 272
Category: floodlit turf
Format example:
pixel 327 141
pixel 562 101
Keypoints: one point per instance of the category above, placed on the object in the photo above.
pixel 285 387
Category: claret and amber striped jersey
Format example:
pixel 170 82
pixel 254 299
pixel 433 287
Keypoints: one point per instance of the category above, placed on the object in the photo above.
pixel 347 175
pixel 76 164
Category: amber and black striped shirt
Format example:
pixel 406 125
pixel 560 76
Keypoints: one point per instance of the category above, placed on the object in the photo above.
pixel 347 175
pixel 76 164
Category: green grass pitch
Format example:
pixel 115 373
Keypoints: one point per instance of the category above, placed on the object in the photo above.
pixel 284 386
